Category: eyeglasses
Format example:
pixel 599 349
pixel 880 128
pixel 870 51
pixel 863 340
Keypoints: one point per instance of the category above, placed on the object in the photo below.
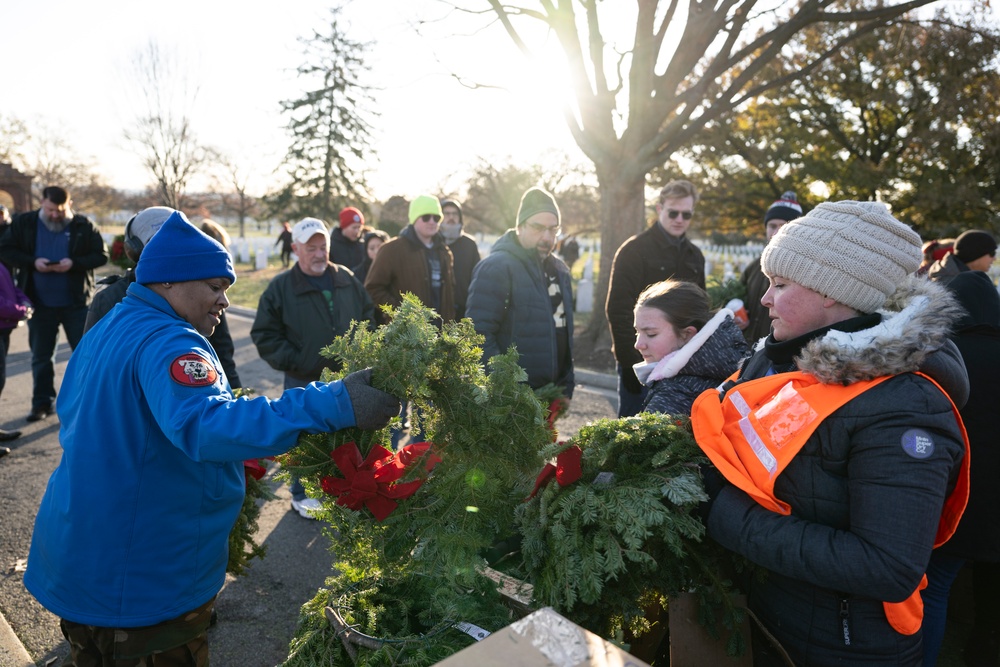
pixel 543 229
pixel 429 218
pixel 673 213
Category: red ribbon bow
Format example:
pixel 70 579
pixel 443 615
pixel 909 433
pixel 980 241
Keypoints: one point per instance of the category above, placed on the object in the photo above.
pixel 373 482
pixel 556 408
pixel 254 468
pixel 567 469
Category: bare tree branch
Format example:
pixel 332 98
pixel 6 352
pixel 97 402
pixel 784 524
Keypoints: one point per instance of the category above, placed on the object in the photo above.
pixel 162 133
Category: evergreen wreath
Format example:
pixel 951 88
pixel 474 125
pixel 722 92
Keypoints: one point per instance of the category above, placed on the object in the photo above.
pixel 721 291
pixel 622 539
pixel 406 579
pixel 409 575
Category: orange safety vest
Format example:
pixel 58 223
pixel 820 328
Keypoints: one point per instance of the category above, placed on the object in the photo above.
pixel 760 425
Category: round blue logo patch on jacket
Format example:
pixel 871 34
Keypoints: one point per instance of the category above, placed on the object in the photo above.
pixel 918 443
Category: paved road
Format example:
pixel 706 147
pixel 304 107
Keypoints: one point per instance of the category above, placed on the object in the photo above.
pixel 257 612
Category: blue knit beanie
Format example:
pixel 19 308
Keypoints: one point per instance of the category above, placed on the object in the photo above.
pixel 180 252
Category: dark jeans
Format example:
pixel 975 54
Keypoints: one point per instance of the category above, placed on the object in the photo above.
pixel 629 404
pixel 410 414
pixel 941 573
pixel 43 334
pixel 4 347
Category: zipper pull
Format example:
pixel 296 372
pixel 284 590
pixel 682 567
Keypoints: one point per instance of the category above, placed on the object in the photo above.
pixel 844 617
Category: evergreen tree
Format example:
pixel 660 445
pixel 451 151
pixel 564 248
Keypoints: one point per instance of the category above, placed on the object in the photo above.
pixel 329 127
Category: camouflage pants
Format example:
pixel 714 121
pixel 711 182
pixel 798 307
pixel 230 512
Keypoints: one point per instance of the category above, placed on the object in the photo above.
pixel 180 642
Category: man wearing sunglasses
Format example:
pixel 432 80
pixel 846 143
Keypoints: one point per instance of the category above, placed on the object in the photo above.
pixel 417 261
pixel 662 251
pixel 521 295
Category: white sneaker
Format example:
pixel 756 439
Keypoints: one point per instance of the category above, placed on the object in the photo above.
pixel 306 507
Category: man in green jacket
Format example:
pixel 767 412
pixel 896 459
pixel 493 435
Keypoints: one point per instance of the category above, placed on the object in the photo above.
pixel 302 311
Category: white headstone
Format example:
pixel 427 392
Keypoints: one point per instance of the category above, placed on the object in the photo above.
pixel 584 295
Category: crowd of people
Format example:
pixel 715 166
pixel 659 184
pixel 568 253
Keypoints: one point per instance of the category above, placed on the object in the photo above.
pixel 840 416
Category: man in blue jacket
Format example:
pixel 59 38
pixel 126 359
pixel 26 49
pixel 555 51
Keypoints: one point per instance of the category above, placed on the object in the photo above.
pixel 521 295
pixel 130 542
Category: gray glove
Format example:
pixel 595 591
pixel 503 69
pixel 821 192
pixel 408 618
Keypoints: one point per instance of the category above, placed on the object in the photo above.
pixel 373 408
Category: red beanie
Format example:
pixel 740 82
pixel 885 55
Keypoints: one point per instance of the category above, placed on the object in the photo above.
pixel 349 216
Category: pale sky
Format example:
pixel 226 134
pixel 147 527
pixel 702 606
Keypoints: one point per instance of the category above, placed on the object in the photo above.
pixel 66 64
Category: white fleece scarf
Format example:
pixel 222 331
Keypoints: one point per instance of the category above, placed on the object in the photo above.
pixel 674 363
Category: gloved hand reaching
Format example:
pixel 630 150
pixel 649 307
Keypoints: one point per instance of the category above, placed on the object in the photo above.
pixel 373 408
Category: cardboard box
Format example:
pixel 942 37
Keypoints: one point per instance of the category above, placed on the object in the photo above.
pixel 543 639
pixel 691 645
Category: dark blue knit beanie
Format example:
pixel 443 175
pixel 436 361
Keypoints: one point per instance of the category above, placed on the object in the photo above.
pixel 180 252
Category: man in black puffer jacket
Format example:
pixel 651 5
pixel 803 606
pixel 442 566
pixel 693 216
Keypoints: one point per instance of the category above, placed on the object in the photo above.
pixel 521 295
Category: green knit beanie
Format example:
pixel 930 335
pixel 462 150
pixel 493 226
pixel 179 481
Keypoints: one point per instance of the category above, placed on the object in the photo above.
pixel 536 200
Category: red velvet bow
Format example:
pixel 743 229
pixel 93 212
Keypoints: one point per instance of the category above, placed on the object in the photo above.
pixel 556 408
pixel 373 483
pixel 566 470
pixel 254 468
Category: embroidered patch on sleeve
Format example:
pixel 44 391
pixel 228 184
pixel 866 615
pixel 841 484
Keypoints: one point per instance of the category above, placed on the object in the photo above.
pixel 918 443
pixel 193 370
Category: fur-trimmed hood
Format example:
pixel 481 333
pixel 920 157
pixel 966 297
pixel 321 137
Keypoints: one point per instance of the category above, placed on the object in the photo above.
pixel 914 335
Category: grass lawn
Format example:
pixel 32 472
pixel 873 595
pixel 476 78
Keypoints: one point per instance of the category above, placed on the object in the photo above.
pixel 250 282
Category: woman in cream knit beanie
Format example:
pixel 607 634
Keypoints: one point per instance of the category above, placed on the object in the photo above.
pixel 840 466
pixel 853 252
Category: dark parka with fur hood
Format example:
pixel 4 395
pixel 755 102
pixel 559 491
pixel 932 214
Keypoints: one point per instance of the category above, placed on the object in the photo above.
pixel 864 511
pixel 509 304
pixel 401 266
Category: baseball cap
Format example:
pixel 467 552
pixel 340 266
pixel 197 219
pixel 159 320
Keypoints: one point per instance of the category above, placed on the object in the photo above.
pixel 306 228
pixel 148 221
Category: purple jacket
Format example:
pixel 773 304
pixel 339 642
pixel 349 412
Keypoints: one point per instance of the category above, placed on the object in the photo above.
pixel 14 304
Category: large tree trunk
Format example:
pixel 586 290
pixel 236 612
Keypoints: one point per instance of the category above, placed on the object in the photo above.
pixel 623 214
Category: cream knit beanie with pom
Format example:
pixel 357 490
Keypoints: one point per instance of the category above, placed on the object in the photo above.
pixel 853 252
